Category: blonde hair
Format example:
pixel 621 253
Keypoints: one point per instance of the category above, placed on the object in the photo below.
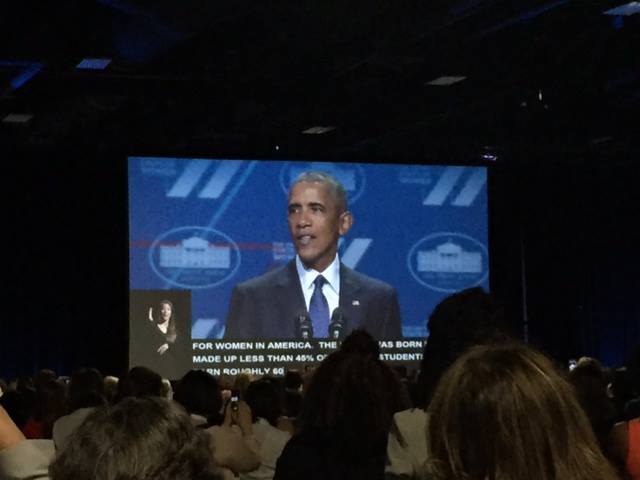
pixel 503 412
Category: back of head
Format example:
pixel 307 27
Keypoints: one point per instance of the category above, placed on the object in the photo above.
pixel 590 382
pixel 504 412
pixel 198 392
pixel 466 318
pixel 86 389
pixel 265 400
pixel 360 342
pixel 292 380
pixel 351 400
pixel 140 382
pixel 51 405
pixel 137 439
pixel 43 376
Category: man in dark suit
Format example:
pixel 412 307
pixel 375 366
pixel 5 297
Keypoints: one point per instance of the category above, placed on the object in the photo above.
pixel 315 283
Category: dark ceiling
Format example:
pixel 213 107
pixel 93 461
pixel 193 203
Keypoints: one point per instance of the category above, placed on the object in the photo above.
pixel 244 76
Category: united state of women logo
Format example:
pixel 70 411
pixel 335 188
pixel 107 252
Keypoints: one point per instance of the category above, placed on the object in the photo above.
pixel 351 176
pixel 449 262
pixel 194 257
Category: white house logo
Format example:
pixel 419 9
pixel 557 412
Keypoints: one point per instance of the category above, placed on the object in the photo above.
pixel 351 176
pixel 194 257
pixel 448 262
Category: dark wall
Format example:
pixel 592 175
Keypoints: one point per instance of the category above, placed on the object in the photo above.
pixel 573 220
pixel 67 257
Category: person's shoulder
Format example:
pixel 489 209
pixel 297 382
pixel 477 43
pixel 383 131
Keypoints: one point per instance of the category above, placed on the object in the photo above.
pixel 365 281
pixel 266 279
pixel 411 417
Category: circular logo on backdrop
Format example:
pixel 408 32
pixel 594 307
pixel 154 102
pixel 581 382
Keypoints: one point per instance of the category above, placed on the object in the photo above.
pixel 351 177
pixel 194 257
pixel 448 261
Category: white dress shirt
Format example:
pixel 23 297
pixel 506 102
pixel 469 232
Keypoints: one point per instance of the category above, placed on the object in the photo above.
pixel 331 288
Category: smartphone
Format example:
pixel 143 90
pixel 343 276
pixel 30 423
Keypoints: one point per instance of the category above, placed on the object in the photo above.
pixel 233 401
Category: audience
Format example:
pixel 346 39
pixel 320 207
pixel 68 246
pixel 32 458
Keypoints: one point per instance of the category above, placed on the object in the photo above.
pixel 590 383
pixel 343 425
pixel 485 408
pixel 504 412
pixel 265 401
pixel 231 438
pixel 292 394
pixel 86 392
pixel 198 392
pixel 50 404
pixel 139 438
pixel 464 319
pixel 624 440
pixel 111 388
pixel 139 382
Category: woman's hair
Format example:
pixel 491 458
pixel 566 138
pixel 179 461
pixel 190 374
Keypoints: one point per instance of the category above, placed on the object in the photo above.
pixel 51 404
pixel 139 382
pixel 351 401
pixel 505 413
pixel 361 342
pixel 86 389
pixel 590 382
pixel 265 400
pixel 466 318
pixel 171 334
pixel 198 392
pixel 137 439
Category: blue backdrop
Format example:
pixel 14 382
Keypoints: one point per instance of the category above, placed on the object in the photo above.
pixel 204 225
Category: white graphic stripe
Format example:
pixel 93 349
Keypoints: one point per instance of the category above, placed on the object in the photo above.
pixel 444 186
pixel 203 327
pixel 191 175
pixel 471 189
pixel 354 253
pixel 221 178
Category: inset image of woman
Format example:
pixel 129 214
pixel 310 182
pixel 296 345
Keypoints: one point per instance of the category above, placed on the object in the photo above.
pixel 165 326
pixel 162 342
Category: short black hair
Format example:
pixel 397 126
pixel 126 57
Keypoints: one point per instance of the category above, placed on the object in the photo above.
pixel 198 392
pixel 334 186
pixel 265 400
pixel 140 382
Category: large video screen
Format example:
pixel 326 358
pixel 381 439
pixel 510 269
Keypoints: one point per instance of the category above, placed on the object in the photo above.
pixel 198 228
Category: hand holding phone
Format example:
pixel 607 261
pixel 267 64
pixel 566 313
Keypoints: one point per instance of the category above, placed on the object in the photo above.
pixel 234 400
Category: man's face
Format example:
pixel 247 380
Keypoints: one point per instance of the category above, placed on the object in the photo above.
pixel 315 224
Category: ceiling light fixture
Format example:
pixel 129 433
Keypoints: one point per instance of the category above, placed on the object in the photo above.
pixel 317 130
pixel 445 81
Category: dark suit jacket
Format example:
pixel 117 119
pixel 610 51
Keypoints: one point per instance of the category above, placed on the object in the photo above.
pixel 268 306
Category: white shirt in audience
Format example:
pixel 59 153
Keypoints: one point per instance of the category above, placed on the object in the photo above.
pixel 271 442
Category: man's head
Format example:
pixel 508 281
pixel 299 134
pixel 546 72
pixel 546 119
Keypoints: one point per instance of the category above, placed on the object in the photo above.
pixel 317 216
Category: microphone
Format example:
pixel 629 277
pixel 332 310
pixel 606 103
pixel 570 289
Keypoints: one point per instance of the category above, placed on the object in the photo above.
pixel 304 327
pixel 337 325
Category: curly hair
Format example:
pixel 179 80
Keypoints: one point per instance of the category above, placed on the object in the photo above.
pixel 137 439
pixel 351 401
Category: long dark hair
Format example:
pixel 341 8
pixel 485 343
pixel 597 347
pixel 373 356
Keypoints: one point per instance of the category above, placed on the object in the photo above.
pixel 351 401
pixel 172 333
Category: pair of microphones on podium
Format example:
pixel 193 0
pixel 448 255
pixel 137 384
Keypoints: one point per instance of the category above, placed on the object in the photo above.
pixel 336 330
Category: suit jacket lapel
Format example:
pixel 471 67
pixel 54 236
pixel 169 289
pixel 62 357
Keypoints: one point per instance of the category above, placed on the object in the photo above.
pixel 289 299
pixel 350 304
